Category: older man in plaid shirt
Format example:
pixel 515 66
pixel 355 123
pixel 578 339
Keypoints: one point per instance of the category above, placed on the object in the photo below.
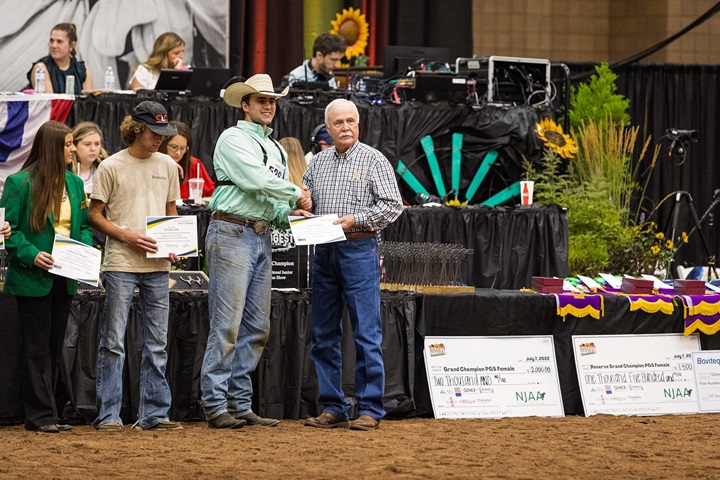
pixel 356 182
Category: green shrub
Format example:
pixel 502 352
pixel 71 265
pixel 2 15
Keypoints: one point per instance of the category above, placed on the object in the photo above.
pixel 596 100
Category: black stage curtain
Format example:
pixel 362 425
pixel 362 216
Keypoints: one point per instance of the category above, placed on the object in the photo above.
pixel 679 96
pixel 510 244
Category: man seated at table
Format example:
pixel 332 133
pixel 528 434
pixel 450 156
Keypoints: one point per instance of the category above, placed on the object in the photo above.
pixel 328 49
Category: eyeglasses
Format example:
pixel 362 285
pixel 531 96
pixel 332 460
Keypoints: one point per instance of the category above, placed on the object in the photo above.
pixel 178 148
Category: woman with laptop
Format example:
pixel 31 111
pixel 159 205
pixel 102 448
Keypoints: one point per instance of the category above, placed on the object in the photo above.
pixel 168 52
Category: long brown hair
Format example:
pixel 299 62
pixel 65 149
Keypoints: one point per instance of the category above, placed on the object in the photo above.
pixel 296 159
pixel 184 131
pixel 46 169
pixel 82 130
pixel 163 44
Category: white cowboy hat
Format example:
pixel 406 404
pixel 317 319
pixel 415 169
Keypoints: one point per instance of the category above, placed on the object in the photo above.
pixel 260 83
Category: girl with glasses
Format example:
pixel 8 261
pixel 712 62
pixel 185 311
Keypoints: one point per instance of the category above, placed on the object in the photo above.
pixel 178 147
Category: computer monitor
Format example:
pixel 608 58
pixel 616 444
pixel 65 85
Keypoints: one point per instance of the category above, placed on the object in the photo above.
pixel 518 81
pixel 173 79
pixel 398 58
pixel 207 82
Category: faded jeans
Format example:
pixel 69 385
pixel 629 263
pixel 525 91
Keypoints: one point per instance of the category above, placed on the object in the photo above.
pixel 155 394
pixel 239 262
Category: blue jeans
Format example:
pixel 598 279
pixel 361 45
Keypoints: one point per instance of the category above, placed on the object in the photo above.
pixel 240 265
pixel 154 389
pixel 348 273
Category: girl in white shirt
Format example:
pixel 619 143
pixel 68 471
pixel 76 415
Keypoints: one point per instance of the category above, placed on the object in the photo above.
pixel 87 138
pixel 168 52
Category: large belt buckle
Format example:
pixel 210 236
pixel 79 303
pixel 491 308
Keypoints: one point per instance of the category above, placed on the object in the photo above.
pixel 261 226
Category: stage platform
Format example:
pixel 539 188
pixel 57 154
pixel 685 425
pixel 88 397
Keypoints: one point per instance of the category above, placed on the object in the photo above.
pixel 285 382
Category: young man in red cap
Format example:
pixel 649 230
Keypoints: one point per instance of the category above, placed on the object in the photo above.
pixel 132 184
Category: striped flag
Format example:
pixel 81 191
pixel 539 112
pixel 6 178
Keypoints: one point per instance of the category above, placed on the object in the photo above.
pixel 20 119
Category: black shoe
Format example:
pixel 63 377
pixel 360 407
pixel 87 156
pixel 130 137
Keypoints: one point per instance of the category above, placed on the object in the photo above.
pixel 63 428
pixel 225 420
pixel 48 429
pixel 253 419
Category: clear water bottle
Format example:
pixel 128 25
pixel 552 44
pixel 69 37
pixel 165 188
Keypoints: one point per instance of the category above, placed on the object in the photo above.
pixel 39 79
pixel 109 79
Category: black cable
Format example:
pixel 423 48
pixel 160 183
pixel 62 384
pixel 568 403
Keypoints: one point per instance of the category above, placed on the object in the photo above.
pixel 658 46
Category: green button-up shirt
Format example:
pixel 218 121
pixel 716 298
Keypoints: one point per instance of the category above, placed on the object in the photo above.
pixel 257 194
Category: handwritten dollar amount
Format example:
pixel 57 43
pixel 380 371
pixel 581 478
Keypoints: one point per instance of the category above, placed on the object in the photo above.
pixel 683 367
pixel 539 369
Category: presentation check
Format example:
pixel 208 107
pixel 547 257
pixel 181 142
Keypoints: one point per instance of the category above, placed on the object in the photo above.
pixel 176 235
pixel 493 377
pixel 76 260
pixel 316 230
pixel 640 374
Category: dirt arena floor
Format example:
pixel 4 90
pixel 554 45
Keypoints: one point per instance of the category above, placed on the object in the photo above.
pixel 523 448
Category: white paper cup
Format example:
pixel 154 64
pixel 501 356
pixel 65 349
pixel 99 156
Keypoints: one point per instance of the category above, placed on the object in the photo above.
pixel 526 192
pixel 196 189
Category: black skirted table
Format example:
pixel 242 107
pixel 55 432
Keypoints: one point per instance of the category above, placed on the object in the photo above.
pixel 285 382
pixel 502 313
pixel 510 244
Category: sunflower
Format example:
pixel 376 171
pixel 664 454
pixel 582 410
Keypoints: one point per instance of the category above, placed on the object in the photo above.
pixel 456 203
pixel 684 237
pixel 554 138
pixel 655 249
pixel 353 27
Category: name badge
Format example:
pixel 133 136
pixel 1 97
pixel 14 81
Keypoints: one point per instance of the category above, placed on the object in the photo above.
pixel 276 167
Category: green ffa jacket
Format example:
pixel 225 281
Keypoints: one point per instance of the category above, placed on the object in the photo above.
pixel 23 277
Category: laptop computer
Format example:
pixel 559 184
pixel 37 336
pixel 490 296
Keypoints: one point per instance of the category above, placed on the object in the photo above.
pixel 207 82
pixel 173 80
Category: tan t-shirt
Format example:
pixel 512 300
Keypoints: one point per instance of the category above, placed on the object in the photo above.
pixel 133 189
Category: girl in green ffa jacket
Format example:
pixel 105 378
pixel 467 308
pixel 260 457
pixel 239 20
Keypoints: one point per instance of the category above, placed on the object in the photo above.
pixel 43 199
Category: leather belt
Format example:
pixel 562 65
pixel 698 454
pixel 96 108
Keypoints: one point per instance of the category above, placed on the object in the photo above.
pixel 259 226
pixel 358 235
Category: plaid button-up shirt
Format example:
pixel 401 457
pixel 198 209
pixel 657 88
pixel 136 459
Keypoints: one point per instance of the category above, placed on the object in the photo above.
pixel 359 181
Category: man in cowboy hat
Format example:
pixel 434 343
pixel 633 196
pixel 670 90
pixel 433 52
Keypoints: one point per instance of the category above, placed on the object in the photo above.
pixel 252 192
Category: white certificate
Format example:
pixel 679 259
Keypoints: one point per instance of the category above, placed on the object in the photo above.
pixel 316 229
pixel 636 374
pixel 176 235
pixel 492 377
pixel 76 260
